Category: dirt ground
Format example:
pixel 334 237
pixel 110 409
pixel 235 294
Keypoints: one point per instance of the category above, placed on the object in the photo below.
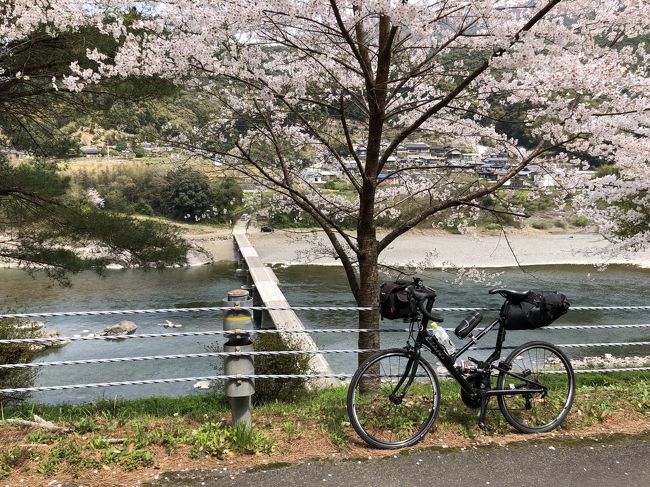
pixel 311 443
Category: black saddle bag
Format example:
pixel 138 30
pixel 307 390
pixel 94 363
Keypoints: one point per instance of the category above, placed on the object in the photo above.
pixel 540 308
pixel 395 301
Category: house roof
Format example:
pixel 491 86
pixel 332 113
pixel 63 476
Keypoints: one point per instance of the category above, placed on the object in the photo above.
pixel 416 145
pixel 382 176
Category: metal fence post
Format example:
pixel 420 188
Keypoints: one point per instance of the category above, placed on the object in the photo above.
pixel 239 320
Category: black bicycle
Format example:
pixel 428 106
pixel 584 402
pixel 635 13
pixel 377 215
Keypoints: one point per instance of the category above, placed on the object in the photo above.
pixel 394 396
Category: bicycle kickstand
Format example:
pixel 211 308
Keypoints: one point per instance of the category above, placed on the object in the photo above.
pixel 481 418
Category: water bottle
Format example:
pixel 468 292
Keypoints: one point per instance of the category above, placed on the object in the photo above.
pixel 442 337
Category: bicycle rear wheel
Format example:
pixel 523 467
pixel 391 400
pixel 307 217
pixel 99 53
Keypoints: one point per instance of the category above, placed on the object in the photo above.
pixel 547 365
pixel 386 423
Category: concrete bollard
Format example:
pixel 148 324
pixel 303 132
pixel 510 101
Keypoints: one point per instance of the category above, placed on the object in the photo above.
pixel 239 320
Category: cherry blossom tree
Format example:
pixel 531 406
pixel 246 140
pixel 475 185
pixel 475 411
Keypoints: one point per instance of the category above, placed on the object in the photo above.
pixel 297 83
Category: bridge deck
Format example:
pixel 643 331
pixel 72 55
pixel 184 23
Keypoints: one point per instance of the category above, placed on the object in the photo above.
pixel 266 285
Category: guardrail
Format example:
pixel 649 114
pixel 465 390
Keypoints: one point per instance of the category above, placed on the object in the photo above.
pixel 264 353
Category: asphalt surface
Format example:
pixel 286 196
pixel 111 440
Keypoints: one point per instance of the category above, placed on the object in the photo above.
pixel 593 463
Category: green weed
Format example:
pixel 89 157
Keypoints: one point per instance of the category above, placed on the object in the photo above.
pixel 170 437
pixel 211 439
pixel 291 429
pixel 244 439
pixel 85 425
pixel 49 467
pixel 42 437
pixel 13 458
pixel 128 458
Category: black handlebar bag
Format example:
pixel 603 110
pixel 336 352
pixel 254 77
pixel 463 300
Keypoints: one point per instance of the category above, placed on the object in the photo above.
pixel 395 301
pixel 540 308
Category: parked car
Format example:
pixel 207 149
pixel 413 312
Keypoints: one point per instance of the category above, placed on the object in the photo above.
pixel 267 229
pixel 245 217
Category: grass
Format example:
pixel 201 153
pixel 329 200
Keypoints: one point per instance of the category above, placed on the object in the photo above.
pixel 136 434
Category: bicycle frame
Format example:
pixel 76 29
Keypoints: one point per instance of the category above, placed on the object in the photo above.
pixel 484 367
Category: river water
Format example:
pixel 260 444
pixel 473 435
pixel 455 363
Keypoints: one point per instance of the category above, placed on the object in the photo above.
pixel 303 286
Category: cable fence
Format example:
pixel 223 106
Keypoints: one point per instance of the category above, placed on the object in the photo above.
pixel 593 367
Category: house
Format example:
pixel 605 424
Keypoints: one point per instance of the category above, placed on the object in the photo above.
pixel 438 150
pixel 313 175
pixel 497 160
pixel 548 181
pixel 471 158
pixel 528 171
pixel 416 149
pixel 90 150
pixel 455 156
pixel 391 161
pixel 388 179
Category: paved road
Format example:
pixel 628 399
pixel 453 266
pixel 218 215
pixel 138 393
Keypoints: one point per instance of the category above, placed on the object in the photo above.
pixel 589 463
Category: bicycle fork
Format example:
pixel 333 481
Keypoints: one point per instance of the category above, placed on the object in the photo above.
pixel 409 376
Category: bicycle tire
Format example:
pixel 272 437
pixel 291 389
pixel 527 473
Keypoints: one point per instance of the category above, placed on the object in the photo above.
pixel 378 420
pixel 548 365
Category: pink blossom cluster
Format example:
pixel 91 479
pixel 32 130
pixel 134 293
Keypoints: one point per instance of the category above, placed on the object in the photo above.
pixel 294 83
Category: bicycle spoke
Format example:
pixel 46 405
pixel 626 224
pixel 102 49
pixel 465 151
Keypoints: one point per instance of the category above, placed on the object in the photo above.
pixel 537 411
pixel 392 423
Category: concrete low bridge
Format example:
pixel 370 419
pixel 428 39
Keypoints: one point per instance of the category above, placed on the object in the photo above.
pixel 266 292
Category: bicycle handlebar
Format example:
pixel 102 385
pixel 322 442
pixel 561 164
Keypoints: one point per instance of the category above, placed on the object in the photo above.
pixel 422 294
pixel 426 313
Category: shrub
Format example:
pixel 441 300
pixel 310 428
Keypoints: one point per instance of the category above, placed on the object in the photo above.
pixel 227 199
pixel 581 221
pixel 559 224
pixel 540 203
pixel 16 353
pixel 607 170
pixel 488 201
pixel 279 389
pixel 187 195
pixel 133 188
pixel 138 151
pixel 453 229
pixel 539 225
pixel 291 219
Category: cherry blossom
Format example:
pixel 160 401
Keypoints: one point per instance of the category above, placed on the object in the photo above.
pixel 296 83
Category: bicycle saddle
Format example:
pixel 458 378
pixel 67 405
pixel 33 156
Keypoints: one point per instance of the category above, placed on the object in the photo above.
pixel 511 294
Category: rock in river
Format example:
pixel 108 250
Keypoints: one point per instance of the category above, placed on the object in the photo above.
pixel 124 327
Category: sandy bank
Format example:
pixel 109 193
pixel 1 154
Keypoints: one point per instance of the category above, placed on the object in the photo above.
pixel 440 249
pixel 436 248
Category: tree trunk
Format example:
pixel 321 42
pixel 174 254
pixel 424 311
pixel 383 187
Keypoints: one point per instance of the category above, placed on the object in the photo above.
pixel 369 284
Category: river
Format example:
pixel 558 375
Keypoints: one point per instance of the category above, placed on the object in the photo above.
pixel 303 285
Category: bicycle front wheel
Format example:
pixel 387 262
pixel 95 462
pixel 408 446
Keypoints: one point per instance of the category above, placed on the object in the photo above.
pixel 377 417
pixel 537 363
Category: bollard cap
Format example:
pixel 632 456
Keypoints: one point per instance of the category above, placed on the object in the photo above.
pixel 238 298
pixel 237 295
